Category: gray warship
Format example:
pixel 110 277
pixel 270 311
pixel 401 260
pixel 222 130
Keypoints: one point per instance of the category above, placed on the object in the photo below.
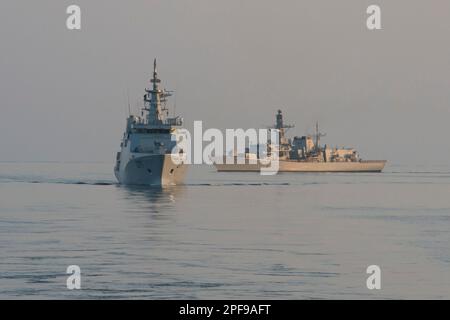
pixel 304 154
pixel 146 155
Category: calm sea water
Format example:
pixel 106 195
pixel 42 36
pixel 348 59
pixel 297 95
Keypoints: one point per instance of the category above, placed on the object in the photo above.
pixel 224 235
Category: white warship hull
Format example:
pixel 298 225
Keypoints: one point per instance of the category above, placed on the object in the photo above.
pixel 151 170
pixel 303 166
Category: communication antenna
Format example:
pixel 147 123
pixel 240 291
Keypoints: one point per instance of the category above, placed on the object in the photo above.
pixel 175 102
pixel 318 135
pixel 128 99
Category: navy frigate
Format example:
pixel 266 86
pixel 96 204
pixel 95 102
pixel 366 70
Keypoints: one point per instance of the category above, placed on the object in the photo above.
pixel 302 154
pixel 147 149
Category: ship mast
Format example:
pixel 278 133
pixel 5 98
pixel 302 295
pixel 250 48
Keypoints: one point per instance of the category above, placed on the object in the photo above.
pixel 280 124
pixel 318 135
pixel 153 98
pixel 283 142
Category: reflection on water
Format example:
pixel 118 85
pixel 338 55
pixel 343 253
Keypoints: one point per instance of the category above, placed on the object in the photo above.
pixel 159 202
pixel 152 199
pixel 156 208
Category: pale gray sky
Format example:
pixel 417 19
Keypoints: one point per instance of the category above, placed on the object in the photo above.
pixel 233 63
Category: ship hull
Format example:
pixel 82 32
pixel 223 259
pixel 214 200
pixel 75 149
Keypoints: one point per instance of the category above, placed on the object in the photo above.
pixel 300 166
pixel 151 170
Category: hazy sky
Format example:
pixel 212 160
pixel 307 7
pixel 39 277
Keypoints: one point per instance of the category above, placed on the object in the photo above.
pixel 63 94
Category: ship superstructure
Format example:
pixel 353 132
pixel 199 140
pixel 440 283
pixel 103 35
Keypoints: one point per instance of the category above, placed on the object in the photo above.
pixel 146 149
